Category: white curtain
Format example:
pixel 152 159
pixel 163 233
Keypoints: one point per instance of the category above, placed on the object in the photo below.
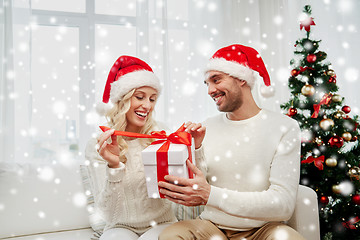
pixel 7 82
pixel 15 71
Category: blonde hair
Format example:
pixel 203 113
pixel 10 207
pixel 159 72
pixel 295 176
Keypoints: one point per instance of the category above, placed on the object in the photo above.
pixel 116 118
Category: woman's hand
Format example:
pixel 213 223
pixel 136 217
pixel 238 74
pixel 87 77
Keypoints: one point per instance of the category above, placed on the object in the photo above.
pixel 197 131
pixel 109 151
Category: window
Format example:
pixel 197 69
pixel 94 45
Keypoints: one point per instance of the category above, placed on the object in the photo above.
pixel 116 7
pixel 62 55
pixel 63 52
pixel 77 6
pixel 55 88
pixel 110 42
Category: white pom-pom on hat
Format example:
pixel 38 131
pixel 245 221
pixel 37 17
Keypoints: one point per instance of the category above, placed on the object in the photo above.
pixel 102 108
pixel 267 92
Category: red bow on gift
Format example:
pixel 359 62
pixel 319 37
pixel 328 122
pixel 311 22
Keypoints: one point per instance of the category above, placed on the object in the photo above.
pixel 178 137
pixel 325 100
pixel 317 161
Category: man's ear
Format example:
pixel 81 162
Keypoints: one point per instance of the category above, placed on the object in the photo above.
pixel 242 82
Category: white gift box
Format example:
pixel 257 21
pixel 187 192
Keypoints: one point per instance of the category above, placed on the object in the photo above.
pixel 177 156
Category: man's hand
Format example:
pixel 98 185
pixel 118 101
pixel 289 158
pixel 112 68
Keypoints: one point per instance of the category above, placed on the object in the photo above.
pixel 197 131
pixel 188 192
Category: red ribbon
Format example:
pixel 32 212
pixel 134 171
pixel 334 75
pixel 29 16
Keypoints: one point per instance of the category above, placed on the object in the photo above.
pixel 317 161
pixel 325 100
pixel 306 24
pixel 351 223
pixel 356 125
pixel 303 69
pixel 178 137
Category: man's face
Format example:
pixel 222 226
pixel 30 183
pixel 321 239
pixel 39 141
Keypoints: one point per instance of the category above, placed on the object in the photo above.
pixel 224 90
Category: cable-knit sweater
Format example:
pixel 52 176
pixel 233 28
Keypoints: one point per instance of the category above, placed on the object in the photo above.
pixel 124 200
pixel 253 167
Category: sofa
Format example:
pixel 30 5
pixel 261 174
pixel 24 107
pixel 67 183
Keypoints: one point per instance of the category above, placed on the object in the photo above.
pixel 42 202
pixel 54 201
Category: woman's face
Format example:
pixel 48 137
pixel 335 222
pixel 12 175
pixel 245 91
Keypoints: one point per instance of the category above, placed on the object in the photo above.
pixel 142 104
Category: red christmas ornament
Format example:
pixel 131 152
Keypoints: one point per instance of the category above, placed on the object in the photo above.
pixel 324 200
pixel 346 109
pixel 356 199
pixel 292 112
pixel 311 58
pixel 336 141
pixel 294 72
pixel 332 80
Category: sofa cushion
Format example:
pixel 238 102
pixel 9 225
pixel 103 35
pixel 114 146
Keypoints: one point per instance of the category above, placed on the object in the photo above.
pixel 186 213
pixel 36 198
pixel 93 178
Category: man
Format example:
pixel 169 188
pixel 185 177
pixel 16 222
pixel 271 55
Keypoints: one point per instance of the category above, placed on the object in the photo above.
pixel 252 160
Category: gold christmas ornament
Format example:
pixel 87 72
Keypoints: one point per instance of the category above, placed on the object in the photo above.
pixel 339 114
pixel 326 124
pixel 308 90
pixel 336 189
pixel 336 98
pixel 346 136
pixel 331 162
pixel 354 172
pixel 318 141
pixel 330 72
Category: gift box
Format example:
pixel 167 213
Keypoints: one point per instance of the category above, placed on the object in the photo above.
pixel 177 154
pixel 165 156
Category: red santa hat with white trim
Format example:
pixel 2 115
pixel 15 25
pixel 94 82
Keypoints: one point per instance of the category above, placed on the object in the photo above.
pixel 126 74
pixel 241 62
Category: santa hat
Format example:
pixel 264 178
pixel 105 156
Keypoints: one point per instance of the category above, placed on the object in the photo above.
pixel 126 74
pixel 239 61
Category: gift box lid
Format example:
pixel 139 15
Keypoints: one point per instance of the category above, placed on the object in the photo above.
pixel 177 154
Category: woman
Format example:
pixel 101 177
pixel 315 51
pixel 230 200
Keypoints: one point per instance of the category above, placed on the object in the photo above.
pixel 133 88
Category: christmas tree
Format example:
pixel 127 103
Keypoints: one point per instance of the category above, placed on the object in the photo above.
pixel 330 152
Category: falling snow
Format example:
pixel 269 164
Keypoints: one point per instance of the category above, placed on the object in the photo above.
pixel 55 83
pixel 346 188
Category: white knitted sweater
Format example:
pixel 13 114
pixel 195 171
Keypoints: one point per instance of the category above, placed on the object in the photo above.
pixel 124 201
pixel 253 167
